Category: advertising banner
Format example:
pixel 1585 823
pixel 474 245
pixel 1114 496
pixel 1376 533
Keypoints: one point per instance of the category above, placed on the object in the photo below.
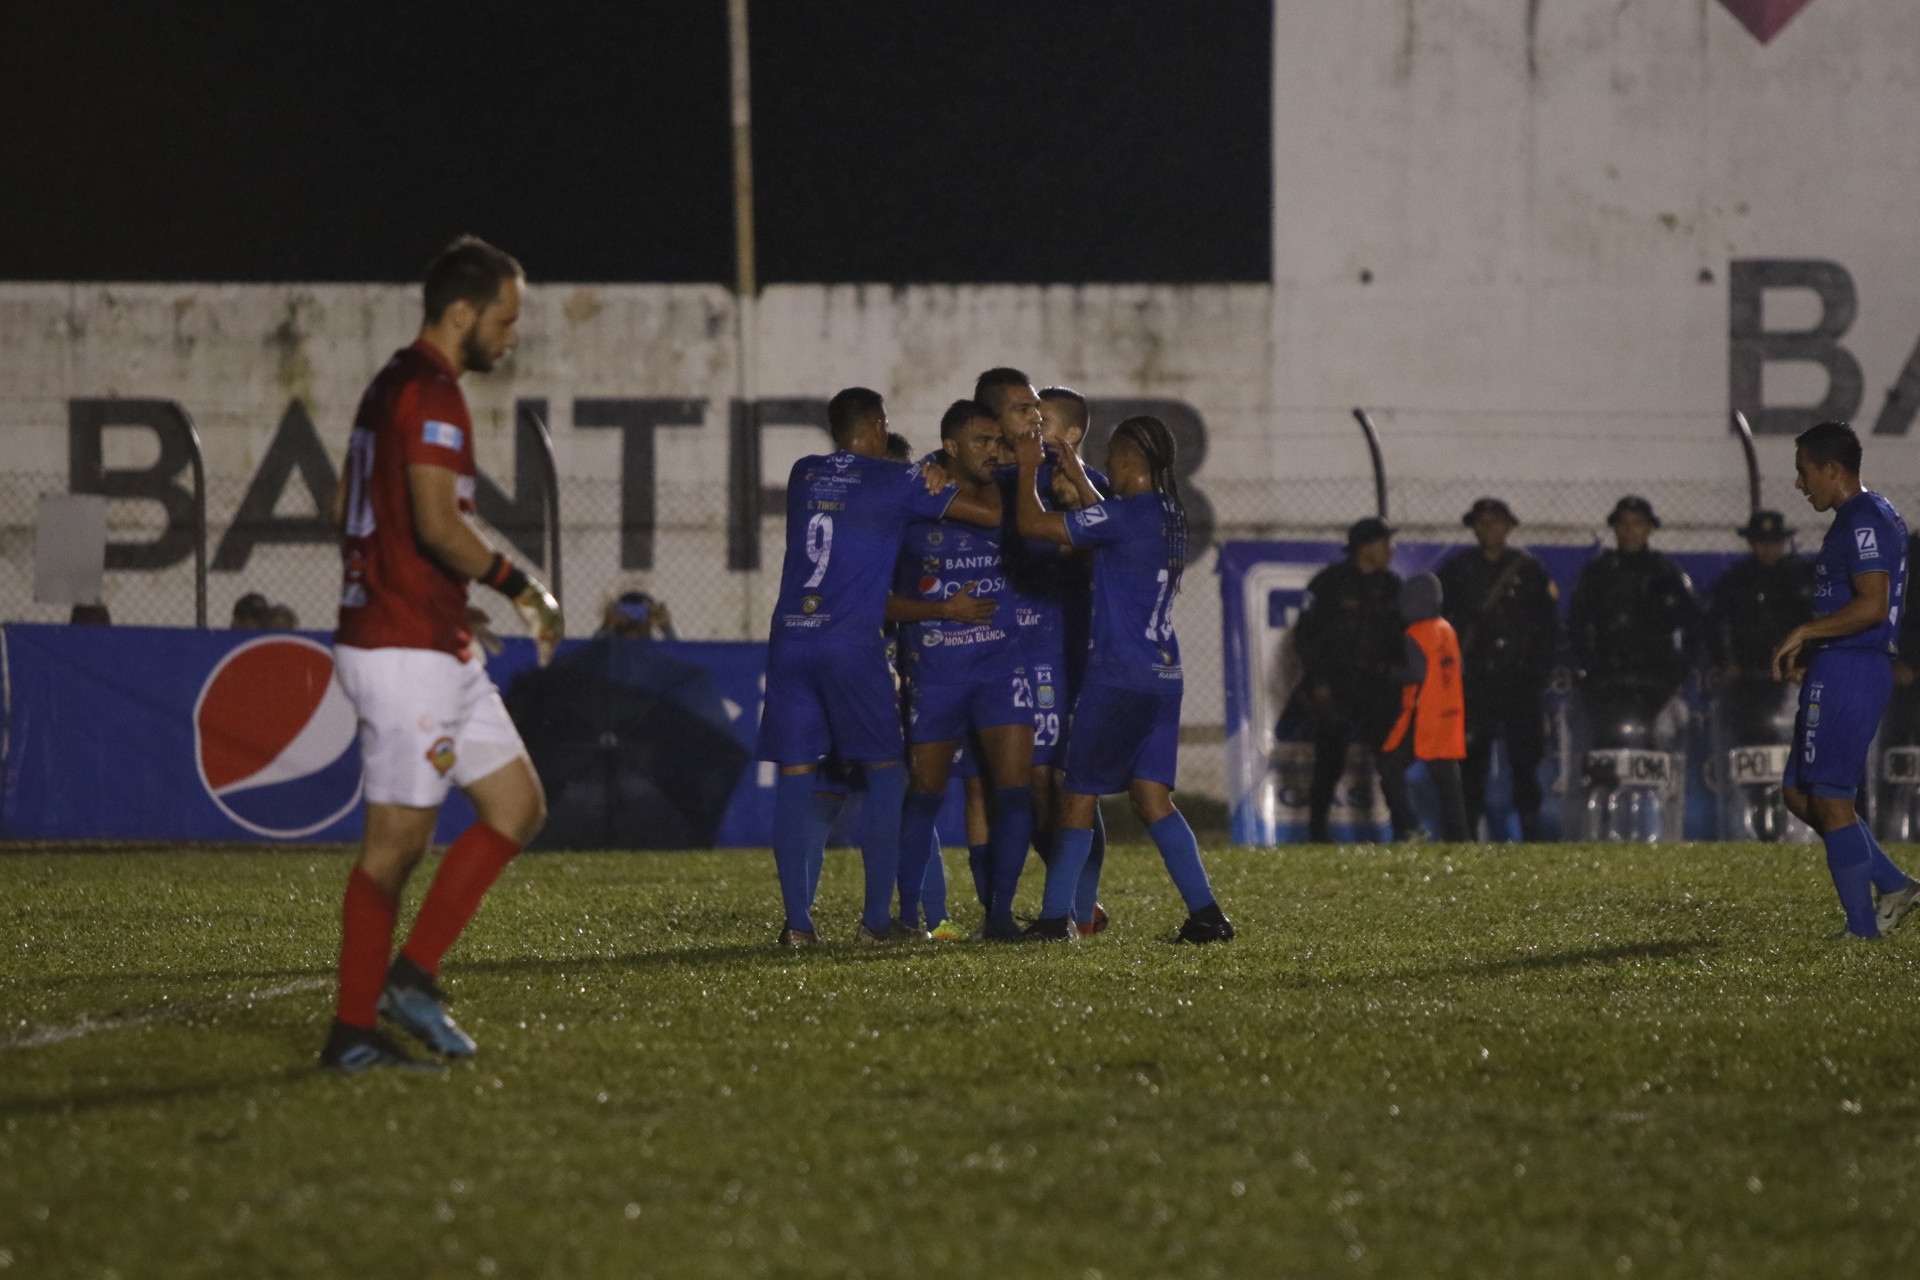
pixel 173 734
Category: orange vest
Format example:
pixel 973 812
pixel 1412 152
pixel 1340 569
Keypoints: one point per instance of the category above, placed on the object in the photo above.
pixel 1436 709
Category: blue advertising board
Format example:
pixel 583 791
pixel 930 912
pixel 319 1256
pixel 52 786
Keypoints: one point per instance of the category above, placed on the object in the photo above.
pixel 170 734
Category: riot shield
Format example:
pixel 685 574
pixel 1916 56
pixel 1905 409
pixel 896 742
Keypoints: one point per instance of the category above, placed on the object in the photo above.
pixel 1627 756
pixel 1752 733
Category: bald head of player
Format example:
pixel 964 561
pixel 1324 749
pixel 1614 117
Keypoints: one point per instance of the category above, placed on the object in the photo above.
pixel 473 294
pixel 857 419
pixel 1010 395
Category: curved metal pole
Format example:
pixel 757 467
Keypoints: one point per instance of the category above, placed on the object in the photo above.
pixel 199 518
pixel 1745 433
pixel 1379 465
pixel 551 484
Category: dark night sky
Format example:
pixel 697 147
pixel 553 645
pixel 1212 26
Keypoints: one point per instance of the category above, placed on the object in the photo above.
pixel 973 140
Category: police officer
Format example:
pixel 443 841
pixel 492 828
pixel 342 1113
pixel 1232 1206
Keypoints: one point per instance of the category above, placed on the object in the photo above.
pixel 1505 608
pixel 1632 622
pixel 1754 605
pixel 1349 641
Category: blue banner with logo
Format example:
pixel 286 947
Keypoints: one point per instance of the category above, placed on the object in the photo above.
pixel 152 733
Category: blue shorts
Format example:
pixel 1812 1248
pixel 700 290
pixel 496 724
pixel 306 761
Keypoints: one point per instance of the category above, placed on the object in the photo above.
pixel 825 698
pixel 1846 693
pixel 1123 735
pixel 1050 705
pixel 944 712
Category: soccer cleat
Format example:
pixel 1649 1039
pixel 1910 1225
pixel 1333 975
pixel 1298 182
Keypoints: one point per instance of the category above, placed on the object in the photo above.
pixel 947 931
pixel 414 1000
pixel 1051 929
pixel 1000 929
pixel 351 1050
pixel 1894 906
pixel 1096 925
pixel 894 932
pixel 1208 924
pixel 900 931
pixel 798 938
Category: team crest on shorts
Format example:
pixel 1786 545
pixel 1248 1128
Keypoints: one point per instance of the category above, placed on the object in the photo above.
pixel 440 755
pixel 1813 714
pixel 809 604
pixel 1045 694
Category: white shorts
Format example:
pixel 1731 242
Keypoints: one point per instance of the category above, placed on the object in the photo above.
pixel 428 721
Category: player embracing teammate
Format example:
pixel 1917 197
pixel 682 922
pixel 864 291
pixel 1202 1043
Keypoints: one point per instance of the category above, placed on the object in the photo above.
pixel 830 688
pixel 1126 716
pixel 429 717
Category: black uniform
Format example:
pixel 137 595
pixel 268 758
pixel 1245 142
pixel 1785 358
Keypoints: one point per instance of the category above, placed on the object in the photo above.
pixel 1753 608
pixel 1349 640
pixel 1506 614
pixel 1901 727
pixel 1633 623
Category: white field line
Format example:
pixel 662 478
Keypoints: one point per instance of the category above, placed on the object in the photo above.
pixel 87 1024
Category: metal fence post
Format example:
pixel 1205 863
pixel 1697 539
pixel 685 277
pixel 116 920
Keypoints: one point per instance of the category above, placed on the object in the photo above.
pixel 551 476
pixel 1379 465
pixel 199 517
pixel 1745 433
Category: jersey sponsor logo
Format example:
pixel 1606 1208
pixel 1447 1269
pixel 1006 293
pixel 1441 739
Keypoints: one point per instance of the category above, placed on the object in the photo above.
pixel 935 538
pixel 274 738
pixel 930 638
pixel 440 755
pixel 444 434
pixel 1091 515
pixel 1866 544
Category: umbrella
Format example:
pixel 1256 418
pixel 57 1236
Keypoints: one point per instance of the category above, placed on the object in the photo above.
pixel 626 748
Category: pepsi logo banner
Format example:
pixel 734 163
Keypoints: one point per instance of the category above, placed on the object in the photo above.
pixel 274 738
pixel 173 734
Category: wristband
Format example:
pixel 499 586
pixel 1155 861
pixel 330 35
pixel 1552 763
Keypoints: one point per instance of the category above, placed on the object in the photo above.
pixel 504 576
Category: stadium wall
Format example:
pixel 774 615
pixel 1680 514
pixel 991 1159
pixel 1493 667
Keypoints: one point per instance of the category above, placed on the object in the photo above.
pixel 1550 245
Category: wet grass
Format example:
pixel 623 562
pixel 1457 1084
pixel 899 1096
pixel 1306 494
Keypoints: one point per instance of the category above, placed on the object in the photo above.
pixel 1561 1060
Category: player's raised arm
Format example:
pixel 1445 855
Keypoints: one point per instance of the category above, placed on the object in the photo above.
pixel 1035 520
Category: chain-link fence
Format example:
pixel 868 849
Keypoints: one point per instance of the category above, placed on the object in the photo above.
pixel 685 554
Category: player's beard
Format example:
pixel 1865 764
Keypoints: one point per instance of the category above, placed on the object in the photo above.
pixel 473 356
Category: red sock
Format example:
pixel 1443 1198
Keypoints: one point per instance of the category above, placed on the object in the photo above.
pixel 366 946
pixel 472 864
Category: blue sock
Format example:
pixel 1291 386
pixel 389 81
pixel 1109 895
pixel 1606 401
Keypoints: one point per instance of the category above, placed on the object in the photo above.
pixel 1083 901
pixel 1850 862
pixel 1181 852
pixel 980 862
pixel 916 839
pixel 799 841
pixel 886 794
pixel 1880 869
pixel 933 886
pixel 825 812
pixel 1012 833
pixel 1070 848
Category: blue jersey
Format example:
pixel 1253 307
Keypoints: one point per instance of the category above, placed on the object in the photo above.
pixel 938 560
pixel 1133 644
pixel 845 512
pixel 1867 536
pixel 1050 586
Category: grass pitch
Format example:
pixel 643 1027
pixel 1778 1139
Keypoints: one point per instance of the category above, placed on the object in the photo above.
pixel 1554 1060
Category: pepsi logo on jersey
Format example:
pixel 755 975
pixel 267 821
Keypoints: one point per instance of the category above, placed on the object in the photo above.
pixel 274 738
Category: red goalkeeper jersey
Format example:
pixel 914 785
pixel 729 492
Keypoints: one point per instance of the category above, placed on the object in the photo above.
pixel 396 595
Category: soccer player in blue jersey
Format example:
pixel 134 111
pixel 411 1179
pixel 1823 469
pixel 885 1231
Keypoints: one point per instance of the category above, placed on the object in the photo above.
pixel 1068 584
pixel 829 687
pixel 1126 719
pixel 1845 660
pixel 966 674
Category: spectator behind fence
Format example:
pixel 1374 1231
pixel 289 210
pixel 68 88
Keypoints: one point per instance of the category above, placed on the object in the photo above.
pixel 281 617
pixel 634 745
pixel 250 612
pixel 1633 622
pixel 638 616
pixel 89 615
pixel 1349 639
pixel 1505 609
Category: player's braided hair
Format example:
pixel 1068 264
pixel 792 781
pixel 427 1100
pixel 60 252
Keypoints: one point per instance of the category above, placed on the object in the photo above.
pixel 1150 436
